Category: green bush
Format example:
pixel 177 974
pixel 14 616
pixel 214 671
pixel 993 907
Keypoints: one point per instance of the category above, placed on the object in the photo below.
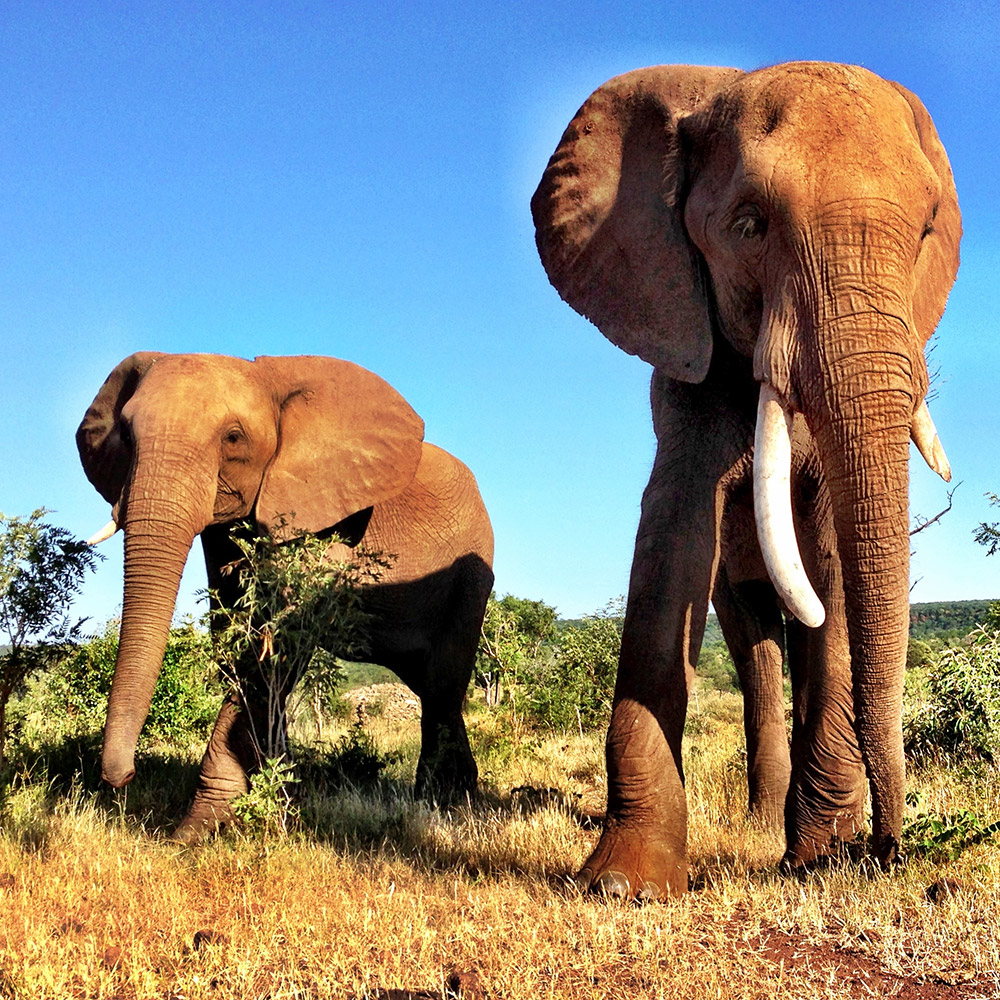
pixel 514 631
pixel 956 710
pixel 716 667
pixel 574 689
pixel 71 701
pixel 41 570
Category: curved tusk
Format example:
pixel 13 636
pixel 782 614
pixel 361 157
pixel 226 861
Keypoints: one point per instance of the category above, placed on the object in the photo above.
pixel 772 500
pixel 104 534
pixel 928 443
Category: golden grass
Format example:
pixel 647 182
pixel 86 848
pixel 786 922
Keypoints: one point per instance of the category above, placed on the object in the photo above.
pixel 381 892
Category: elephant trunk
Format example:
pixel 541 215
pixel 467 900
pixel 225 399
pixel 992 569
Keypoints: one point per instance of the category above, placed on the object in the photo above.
pixel 860 412
pixel 159 533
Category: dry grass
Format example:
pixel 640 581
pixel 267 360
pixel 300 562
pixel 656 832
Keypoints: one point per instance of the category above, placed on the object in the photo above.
pixel 379 893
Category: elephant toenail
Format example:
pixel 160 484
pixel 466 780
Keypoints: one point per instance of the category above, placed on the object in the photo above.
pixel 649 892
pixel 613 885
pixel 583 880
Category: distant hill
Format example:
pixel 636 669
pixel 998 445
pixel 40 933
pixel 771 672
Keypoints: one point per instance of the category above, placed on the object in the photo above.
pixel 948 619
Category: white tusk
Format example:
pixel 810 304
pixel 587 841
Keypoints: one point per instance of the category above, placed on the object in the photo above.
pixel 928 443
pixel 104 534
pixel 772 500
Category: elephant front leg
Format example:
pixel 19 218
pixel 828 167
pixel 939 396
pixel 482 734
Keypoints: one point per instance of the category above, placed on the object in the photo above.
pixel 642 851
pixel 826 799
pixel 233 754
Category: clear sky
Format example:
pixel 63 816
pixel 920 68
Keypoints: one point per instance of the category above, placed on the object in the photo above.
pixel 353 179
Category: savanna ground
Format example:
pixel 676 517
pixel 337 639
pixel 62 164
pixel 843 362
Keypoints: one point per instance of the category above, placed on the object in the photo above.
pixel 375 895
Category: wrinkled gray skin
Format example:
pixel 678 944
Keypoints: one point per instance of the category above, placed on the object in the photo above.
pixel 188 445
pixel 796 227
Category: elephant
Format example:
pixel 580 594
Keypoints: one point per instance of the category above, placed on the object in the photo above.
pixel 189 444
pixel 779 245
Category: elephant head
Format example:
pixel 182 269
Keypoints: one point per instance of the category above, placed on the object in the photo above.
pixel 177 443
pixel 806 213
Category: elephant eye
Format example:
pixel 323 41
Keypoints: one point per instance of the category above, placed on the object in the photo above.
pixel 749 224
pixel 125 435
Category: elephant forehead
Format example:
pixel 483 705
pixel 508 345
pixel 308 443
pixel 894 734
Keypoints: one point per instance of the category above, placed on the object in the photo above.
pixel 201 388
pixel 835 138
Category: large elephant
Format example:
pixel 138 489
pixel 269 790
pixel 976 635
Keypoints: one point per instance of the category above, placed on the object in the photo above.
pixel 779 245
pixel 183 445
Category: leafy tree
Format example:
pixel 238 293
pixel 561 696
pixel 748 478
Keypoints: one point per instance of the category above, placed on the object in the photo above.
pixel 960 711
pixel 989 534
pixel 919 653
pixel 41 569
pixel 575 688
pixel 299 610
pixel 185 700
pixel 514 631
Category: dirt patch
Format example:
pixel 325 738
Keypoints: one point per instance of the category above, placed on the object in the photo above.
pixel 393 702
pixel 859 975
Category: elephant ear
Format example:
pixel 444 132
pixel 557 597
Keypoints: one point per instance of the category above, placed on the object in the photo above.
pixel 346 441
pixel 609 222
pixel 104 457
pixel 937 264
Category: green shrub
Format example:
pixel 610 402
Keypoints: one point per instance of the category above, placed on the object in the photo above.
pixel 514 631
pixel 41 569
pixel 957 713
pixel 716 667
pixel 71 701
pixel 267 811
pixel 298 613
pixel 574 689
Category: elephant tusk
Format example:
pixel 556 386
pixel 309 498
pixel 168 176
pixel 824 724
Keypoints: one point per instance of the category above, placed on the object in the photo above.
pixel 772 499
pixel 928 443
pixel 104 534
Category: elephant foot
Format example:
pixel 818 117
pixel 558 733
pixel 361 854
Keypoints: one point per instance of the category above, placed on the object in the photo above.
pixel 446 772
pixel 634 863
pixel 448 781
pixel 199 826
pixel 811 849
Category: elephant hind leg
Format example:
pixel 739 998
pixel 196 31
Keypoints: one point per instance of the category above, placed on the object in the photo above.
pixel 754 631
pixel 446 771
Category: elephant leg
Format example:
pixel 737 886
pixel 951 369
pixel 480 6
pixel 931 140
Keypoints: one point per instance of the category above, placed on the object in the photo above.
pixel 754 631
pixel 642 850
pixel 826 798
pixel 446 771
pixel 440 673
pixel 229 758
pixel 235 751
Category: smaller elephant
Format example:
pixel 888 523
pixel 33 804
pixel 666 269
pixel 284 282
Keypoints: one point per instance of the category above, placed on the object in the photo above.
pixel 187 445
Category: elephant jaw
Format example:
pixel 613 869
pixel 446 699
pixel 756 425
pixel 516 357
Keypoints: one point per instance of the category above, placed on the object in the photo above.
pixel 772 466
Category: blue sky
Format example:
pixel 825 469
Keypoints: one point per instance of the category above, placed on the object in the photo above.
pixel 353 179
